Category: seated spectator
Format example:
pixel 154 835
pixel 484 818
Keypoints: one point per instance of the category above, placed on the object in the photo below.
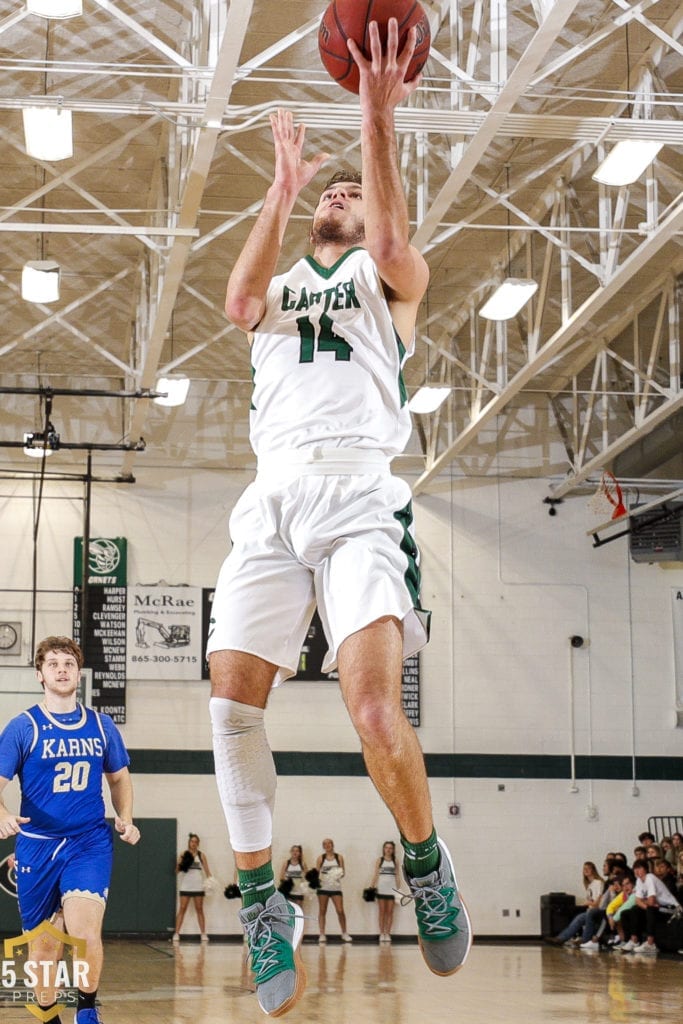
pixel 645 838
pixel 679 875
pixel 639 922
pixel 668 851
pixel 653 852
pixel 594 886
pixel 608 865
pixel 626 901
pixel 620 859
pixel 598 924
pixel 664 871
pixel 639 853
pixel 677 843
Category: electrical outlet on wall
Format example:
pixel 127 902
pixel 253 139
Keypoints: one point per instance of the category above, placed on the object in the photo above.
pixel 592 812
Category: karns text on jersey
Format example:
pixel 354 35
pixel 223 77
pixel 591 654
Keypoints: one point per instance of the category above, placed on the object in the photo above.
pixel 74 746
pixel 341 296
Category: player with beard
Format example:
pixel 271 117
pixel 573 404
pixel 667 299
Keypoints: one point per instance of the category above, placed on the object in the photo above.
pixel 325 522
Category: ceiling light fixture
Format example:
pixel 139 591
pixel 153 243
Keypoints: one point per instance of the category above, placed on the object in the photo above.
pixel 428 398
pixel 55 8
pixel 508 298
pixel 627 161
pixel 40 281
pixel 176 389
pixel 35 445
pixel 513 293
pixel 629 158
pixel 48 133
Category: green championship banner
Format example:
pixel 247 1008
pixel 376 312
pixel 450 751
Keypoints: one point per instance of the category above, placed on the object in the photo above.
pixel 104 635
pixel 107 561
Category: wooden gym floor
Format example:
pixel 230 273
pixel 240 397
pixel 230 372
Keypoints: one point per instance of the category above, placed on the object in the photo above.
pixel 153 982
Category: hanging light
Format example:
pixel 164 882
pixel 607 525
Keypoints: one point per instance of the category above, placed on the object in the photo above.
pixel 176 389
pixel 626 162
pixel 508 298
pixel 514 292
pixel 48 133
pixel 40 281
pixel 428 398
pixel 35 445
pixel 55 8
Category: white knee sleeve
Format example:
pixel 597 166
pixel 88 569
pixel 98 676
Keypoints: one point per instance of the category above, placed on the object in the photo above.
pixel 245 773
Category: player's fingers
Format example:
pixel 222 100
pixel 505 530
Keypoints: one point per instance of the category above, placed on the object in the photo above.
pixel 413 84
pixel 357 54
pixel 318 160
pixel 392 40
pixel 406 54
pixel 375 42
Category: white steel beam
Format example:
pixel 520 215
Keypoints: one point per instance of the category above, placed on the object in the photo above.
pixel 558 341
pixel 515 85
pixel 221 86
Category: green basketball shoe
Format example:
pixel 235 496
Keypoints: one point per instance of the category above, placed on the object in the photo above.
pixel 443 926
pixel 274 934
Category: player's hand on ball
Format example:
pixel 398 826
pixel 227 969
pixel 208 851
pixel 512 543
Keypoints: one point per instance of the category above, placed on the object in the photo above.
pixel 129 832
pixel 382 83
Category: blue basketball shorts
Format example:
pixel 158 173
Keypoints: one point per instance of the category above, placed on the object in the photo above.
pixel 50 870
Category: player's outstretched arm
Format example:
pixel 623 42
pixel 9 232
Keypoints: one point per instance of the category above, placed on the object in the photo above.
pixel 255 266
pixel 382 88
pixel 121 789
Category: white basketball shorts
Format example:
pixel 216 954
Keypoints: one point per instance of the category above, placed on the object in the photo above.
pixel 344 542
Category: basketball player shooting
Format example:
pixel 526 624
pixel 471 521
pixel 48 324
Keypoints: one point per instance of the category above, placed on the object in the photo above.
pixel 325 522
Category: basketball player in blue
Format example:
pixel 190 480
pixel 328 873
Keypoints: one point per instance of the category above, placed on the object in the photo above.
pixel 60 751
pixel 325 522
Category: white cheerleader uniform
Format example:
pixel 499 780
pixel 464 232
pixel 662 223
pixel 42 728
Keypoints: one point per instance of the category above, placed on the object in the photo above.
pixel 331 874
pixel 324 522
pixel 386 880
pixel 192 880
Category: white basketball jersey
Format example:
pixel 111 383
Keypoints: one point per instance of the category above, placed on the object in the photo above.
pixel 327 361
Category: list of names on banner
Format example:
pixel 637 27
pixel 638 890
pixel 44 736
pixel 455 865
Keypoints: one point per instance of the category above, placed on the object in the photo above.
pixel 104 637
pixel 105 647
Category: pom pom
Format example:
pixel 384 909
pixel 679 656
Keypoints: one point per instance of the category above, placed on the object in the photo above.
pixel 313 878
pixel 186 861
pixel 286 886
pixel 369 894
pixel 232 892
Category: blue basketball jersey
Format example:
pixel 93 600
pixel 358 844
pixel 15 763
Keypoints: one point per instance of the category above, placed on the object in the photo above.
pixel 60 760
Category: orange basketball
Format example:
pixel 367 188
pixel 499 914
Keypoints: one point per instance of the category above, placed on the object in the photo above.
pixel 350 19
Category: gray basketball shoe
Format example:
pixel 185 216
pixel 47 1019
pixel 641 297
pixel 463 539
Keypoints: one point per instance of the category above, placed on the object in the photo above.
pixel 444 930
pixel 274 934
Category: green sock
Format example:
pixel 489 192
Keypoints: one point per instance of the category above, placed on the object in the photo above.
pixel 256 885
pixel 421 858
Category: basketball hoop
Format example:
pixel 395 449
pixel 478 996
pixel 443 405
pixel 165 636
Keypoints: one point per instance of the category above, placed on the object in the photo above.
pixel 608 500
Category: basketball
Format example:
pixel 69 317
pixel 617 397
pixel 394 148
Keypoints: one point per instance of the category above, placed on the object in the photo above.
pixel 349 19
